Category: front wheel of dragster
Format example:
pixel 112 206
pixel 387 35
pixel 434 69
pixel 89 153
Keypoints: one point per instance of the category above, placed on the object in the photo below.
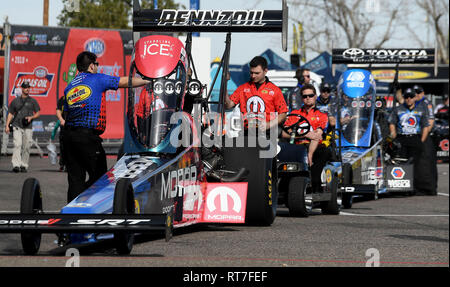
pixel 347 178
pixel 123 204
pixel 334 205
pixel 31 203
pixel 297 196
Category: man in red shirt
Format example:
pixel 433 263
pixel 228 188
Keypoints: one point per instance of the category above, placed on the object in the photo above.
pixel 318 154
pixel 259 97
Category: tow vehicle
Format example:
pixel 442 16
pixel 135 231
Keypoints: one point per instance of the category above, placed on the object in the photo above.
pixel 164 180
pixel 295 190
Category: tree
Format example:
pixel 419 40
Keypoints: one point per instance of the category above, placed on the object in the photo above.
pixel 112 14
pixel 436 14
pixel 347 23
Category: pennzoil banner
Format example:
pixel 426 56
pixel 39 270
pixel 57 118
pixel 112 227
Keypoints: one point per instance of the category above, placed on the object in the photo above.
pixel 46 57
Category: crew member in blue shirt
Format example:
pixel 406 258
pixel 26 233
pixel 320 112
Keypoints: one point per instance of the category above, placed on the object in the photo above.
pixel 408 124
pixel 85 105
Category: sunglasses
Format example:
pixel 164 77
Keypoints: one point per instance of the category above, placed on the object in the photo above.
pixel 95 63
pixel 409 96
pixel 306 76
pixel 308 96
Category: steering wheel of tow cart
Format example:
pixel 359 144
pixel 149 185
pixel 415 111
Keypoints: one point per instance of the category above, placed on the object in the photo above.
pixel 301 126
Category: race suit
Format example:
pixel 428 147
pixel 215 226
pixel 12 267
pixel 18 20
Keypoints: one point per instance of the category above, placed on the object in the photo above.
pixel 409 127
pixel 259 101
pixel 318 120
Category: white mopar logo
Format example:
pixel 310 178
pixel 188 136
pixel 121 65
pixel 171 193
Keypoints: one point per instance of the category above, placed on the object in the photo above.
pixel 255 105
pixel 194 88
pixel 224 192
pixel 158 88
pixel 178 87
pixel 353 53
pixel 169 87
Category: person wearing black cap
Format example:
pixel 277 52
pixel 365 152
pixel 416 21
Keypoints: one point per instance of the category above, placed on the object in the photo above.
pixel 428 160
pixel 422 100
pixel 21 112
pixel 408 125
pixel 325 99
pixel 303 77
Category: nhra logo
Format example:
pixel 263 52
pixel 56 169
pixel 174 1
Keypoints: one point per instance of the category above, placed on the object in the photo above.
pixel 398 173
pixel 96 46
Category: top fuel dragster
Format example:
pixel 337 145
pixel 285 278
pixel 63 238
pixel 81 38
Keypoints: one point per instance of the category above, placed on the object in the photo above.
pixel 163 179
pixel 362 166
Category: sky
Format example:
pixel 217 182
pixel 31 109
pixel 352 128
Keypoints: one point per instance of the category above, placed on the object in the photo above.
pixel 244 46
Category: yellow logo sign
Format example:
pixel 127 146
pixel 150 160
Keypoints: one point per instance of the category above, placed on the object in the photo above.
pixel 78 94
pixel 402 74
pixel 329 176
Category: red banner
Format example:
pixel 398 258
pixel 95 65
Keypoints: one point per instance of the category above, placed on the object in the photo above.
pixel 46 57
pixel 40 70
pixel 108 46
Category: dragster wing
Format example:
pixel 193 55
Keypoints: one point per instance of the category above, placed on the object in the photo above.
pixel 254 21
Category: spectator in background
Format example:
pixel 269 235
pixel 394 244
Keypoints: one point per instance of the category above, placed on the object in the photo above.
pixel 22 111
pixel 325 100
pixel 303 77
pixel 442 109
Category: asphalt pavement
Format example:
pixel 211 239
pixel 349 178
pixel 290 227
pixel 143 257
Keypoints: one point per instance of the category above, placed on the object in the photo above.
pixel 396 230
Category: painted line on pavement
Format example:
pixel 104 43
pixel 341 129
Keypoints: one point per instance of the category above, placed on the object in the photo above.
pixel 394 215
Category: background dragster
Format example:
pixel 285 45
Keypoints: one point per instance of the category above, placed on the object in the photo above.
pixel 365 168
pixel 158 183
